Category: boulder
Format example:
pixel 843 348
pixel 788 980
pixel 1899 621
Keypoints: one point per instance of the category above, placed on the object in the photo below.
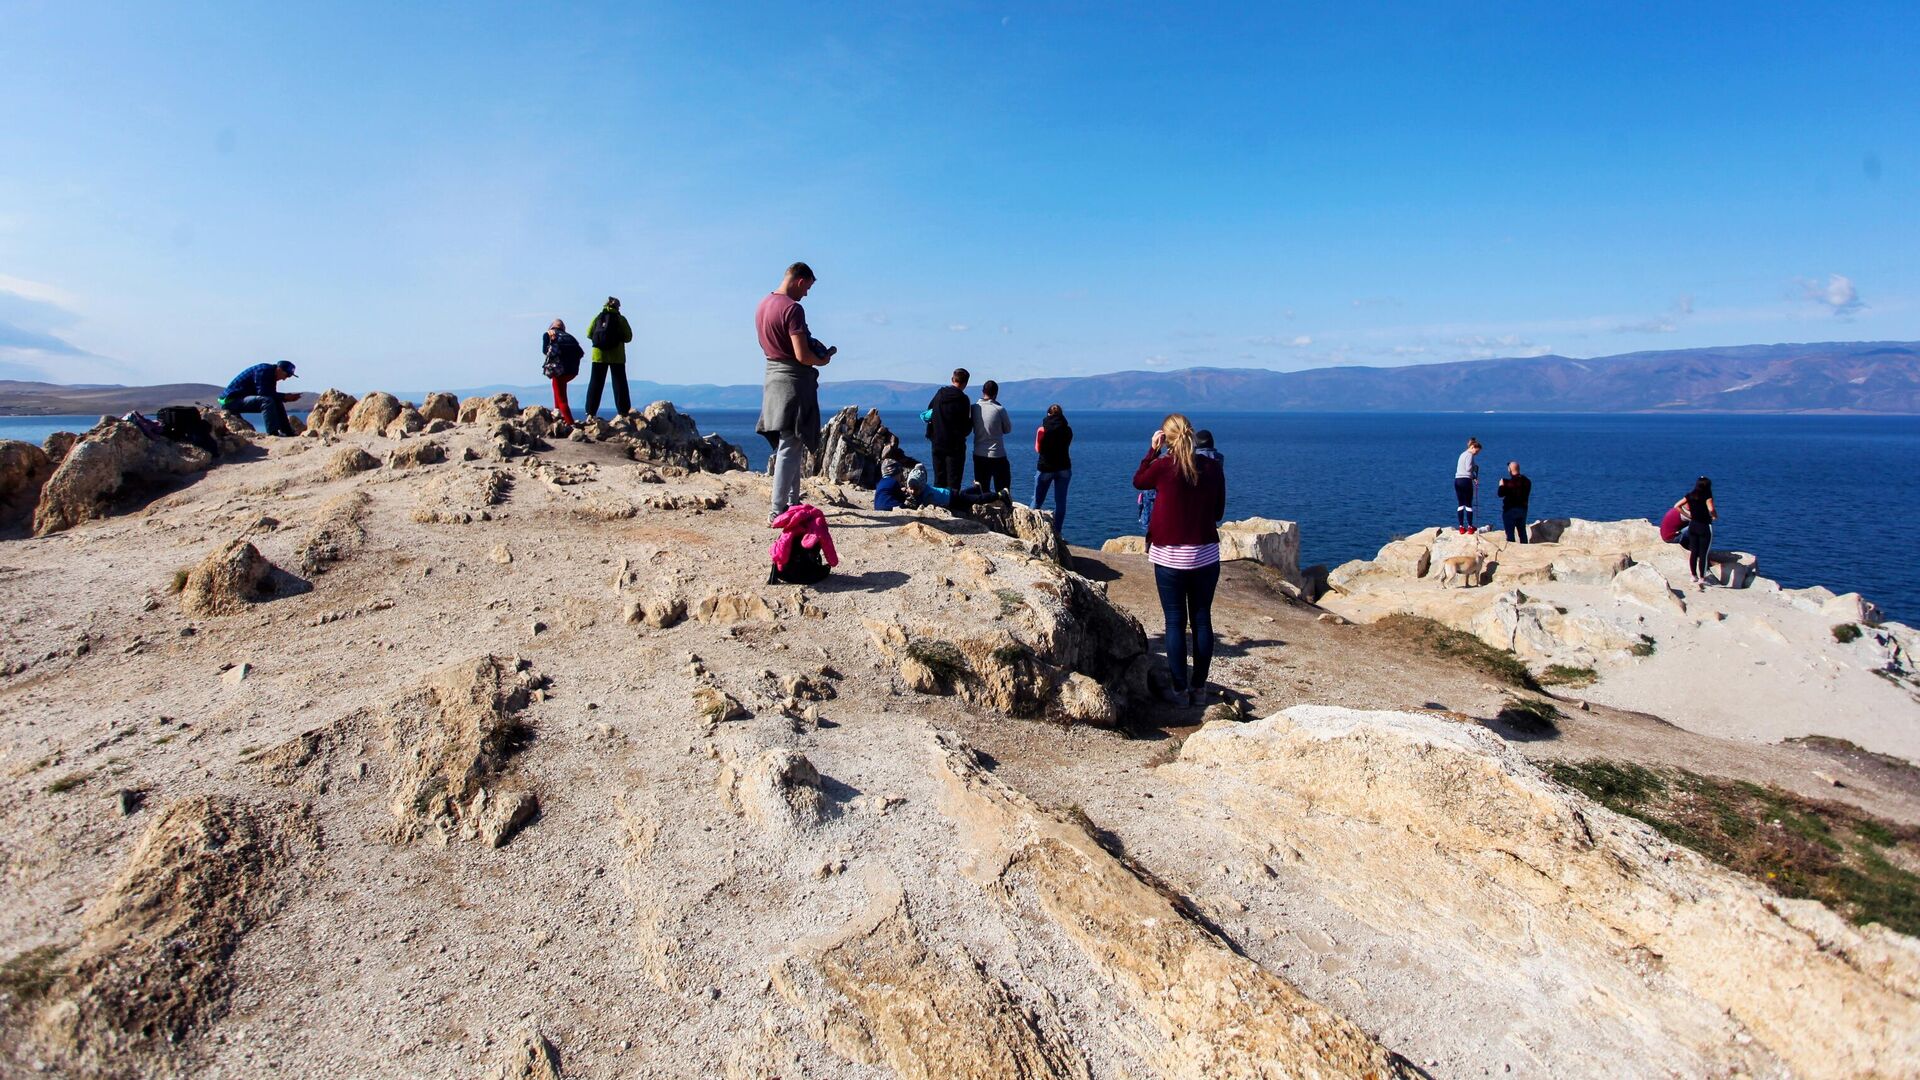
pixel 115 460
pixel 232 432
pixel 56 445
pixel 1738 569
pixel 372 414
pixel 24 469
pixel 415 453
pixel 851 448
pixel 1409 558
pixel 1642 584
pixel 779 791
pixel 1080 700
pixel 489 410
pixel 348 461
pixel 1022 522
pixel 1851 608
pixel 662 435
pixel 330 412
pixel 227 581
pixel 1583 569
pixel 1271 543
pixel 1125 545
pixel 407 422
pixel 440 405
pixel 1596 536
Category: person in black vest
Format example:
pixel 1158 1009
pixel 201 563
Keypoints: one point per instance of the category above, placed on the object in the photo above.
pixel 563 353
pixel 949 423
pixel 1052 467
pixel 1515 489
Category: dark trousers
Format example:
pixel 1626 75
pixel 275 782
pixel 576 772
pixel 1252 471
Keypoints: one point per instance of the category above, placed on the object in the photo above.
pixel 950 466
pixel 993 473
pixel 1186 599
pixel 271 409
pixel 1463 499
pixel 1058 481
pixel 1515 520
pixel 1699 549
pixel 599 378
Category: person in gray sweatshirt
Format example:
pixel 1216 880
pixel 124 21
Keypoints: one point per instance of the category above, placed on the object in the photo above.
pixel 991 424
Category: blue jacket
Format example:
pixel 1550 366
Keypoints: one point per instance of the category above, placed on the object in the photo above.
pixel 887 495
pixel 260 380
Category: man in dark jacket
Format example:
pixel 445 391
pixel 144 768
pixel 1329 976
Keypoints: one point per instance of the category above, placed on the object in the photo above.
pixel 257 390
pixel 949 422
pixel 609 331
pixel 1515 489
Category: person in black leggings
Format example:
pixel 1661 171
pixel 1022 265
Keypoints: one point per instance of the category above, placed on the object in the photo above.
pixel 1697 507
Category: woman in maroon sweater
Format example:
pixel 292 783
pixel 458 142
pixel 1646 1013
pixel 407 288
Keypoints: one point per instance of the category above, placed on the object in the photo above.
pixel 1190 496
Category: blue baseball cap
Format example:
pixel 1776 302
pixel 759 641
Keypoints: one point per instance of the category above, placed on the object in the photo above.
pixel 286 366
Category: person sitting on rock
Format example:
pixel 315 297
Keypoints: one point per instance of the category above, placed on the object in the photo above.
pixel 256 390
pixel 906 488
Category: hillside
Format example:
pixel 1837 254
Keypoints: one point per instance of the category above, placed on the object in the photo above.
pixel 19 398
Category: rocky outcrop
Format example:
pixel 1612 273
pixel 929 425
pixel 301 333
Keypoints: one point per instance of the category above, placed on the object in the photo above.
pixel 440 406
pixel 153 966
pixel 227 581
pixel 851 448
pixel 663 435
pixel 232 432
pixel 112 462
pixel 1209 1009
pixel 24 469
pixel 415 453
pixel 348 461
pixel 487 411
pixel 778 791
pixel 56 445
pixel 1026 524
pixel 338 531
pixel 330 412
pixel 408 421
pixel 1436 832
pixel 455 739
pixel 1642 584
pixel 1273 544
pixel 371 414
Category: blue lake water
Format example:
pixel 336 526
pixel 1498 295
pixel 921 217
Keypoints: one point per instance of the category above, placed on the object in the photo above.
pixel 1817 498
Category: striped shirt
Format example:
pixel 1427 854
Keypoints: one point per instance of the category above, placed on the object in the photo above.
pixel 1183 556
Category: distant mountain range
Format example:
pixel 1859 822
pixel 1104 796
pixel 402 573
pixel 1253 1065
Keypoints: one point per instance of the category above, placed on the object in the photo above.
pixel 1831 377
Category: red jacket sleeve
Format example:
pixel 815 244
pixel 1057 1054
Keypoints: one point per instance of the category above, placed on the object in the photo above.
pixel 1146 477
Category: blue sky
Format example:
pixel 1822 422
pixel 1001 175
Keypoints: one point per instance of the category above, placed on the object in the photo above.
pixel 402 195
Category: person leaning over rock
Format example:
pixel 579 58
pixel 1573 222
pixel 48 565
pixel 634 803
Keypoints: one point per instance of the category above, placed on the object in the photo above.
pixel 949 419
pixel 609 332
pixel 1183 544
pixel 562 352
pixel 257 390
pixel 1052 466
pixel 790 396
pixel 1514 491
pixel 991 425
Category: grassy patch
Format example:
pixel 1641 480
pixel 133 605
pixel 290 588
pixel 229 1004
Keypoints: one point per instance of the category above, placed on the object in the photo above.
pixel 1010 600
pixel 178 582
pixel 1846 632
pixel 1562 675
pixel 1452 644
pixel 28 976
pixel 1799 847
pixel 943 658
pixel 1643 647
pixel 68 782
pixel 1530 713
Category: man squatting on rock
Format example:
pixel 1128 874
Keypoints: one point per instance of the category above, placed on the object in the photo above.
pixel 257 390
pixel 790 397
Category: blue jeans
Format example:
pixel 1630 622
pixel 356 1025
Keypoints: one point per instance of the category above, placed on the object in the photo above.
pixel 271 409
pixel 1059 482
pixel 1186 599
pixel 788 458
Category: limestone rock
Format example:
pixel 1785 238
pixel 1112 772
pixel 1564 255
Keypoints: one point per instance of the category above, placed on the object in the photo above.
pixel 1271 543
pixel 338 531
pixel 779 790
pixel 413 454
pixel 1738 569
pixel 851 448
pixel 348 461
pixel 440 406
pixel 1642 584
pixel 232 432
pixel 732 607
pixel 153 966
pixel 1409 558
pixel 372 414
pixel 1250 1022
pixel 664 436
pixel 408 421
pixel 659 612
pixel 455 738
pixel 226 581
pixel 115 460
pixel 56 445
pixel 437 425
pixel 1584 569
pixel 1438 832
pixel 715 706
pixel 1125 545
pixel 330 412
pixel 1080 700
pixel 1851 608
pixel 530 1057
pixel 1024 523
pixel 487 411
pixel 24 469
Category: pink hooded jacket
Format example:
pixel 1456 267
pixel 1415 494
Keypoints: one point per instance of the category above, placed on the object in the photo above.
pixel 805 525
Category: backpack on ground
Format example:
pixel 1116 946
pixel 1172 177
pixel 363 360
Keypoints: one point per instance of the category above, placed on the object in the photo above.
pixel 601 332
pixel 183 423
pixel 803 553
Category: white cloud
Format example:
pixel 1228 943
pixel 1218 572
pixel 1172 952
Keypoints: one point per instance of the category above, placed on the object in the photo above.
pixel 1299 341
pixel 1482 347
pixel 959 327
pixel 34 290
pixel 1838 294
pixel 1157 361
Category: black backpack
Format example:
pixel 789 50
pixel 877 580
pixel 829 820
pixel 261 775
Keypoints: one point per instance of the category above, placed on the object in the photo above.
pixel 805 566
pixel 601 332
pixel 183 423
pixel 563 357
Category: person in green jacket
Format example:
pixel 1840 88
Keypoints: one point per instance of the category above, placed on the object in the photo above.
pixel 609 331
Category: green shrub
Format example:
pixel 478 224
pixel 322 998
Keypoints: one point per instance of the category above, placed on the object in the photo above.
pixel 1846 632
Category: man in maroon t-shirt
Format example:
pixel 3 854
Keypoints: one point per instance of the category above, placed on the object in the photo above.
pixel 790 397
